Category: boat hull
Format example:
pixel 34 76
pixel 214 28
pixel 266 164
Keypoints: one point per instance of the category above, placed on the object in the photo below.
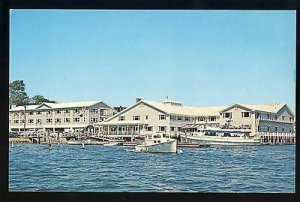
pixel 79 142
pixel 111 144
pixel 166 147
pixel 224 141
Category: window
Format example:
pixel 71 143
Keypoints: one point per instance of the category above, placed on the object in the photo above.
pixel 283 117
pixel 94 120
pixel 66 111
pixel 187 118
pixel 290 130
pixel 173 117
pixel 76 119
pixel 268 116
pixel 162 128
pixel 268 128
pixel 57 120
pixel 257 115
pixel 30 113
pixel 275 117
pixel 283 129
pixel 136 118
pixel 149 128
pixel 22 121
pixel 228 115
pixel 16 121
pixel 201 118
pixel 213 118
pixel 121 118
pixel 49 120
pixel 172 128
pixel 245 114
pixel 39 121
pixel 162 117
pixel 291 118
pixel 48 112
pixel 179 118
pixel 146 117
pixel 276 129
pixel 67 120
pixel 258 128
pixel 38 112
pixel 76 110
pixel 94 111
pixel 58 111
pixel 30 120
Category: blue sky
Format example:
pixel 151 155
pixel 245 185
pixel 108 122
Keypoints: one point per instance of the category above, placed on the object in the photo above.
pixel 201 58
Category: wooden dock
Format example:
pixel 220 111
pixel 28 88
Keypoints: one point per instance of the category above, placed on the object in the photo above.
pixel 274 138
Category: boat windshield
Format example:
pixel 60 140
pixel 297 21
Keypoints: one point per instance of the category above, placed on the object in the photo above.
pixel 210 133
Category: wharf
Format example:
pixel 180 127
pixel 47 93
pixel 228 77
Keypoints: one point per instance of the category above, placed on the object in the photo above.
pixel 20 140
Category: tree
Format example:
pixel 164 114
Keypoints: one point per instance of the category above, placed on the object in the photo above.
pixel 17 94
pixel 39 99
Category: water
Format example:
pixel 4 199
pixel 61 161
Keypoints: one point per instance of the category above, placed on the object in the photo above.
pixel 266 169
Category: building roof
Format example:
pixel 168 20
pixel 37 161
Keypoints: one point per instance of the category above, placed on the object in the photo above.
pixel 58 105
pixel 72 104
pixel 186 110
pixel 272 108
pixel 22 108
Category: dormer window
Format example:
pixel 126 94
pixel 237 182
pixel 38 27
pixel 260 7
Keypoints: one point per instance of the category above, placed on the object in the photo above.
pixel 227 115
pixel 245 114
pixel 162 117
pixel 283 117
pixel 136 118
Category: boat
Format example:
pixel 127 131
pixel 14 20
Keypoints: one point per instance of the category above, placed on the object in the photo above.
pixel 223 137
pixel 157 143
pixel 129 143
pixel 111 143
pixel 79 142
pixel 192 144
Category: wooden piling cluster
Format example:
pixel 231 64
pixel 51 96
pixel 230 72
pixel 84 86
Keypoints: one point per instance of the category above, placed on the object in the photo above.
pixel 277 138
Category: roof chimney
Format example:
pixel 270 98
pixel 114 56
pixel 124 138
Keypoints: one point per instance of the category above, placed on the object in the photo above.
pixel 137 99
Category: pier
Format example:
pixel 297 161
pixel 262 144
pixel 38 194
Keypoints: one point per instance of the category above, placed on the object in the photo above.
pixel 275 138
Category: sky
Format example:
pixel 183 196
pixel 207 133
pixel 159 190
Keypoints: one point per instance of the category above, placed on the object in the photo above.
pixel 201 58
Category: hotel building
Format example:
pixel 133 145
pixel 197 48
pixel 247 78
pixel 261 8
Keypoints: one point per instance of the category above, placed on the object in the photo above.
pixel 172 116
pixel 60 117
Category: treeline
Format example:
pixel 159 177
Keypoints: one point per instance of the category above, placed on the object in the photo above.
pixel 18 95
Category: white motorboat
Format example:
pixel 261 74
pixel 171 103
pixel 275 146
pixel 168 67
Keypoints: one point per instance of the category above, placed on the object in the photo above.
pixel 157 143
pixel 111 143
pixel 79 142
pixel 223 137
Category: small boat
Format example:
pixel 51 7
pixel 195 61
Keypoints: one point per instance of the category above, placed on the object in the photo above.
pixel 223 137
pixel 111 144
pixel 157 143
pixel 79 142
pixel 129 143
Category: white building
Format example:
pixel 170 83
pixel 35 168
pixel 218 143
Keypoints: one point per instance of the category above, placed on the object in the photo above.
pixel 73 116
pixel 171 116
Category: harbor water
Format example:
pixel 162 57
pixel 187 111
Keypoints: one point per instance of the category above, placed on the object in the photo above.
pixel 64 168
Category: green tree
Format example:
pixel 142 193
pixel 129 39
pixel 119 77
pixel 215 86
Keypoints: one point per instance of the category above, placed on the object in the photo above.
pixel 39 99
pixel 17 94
